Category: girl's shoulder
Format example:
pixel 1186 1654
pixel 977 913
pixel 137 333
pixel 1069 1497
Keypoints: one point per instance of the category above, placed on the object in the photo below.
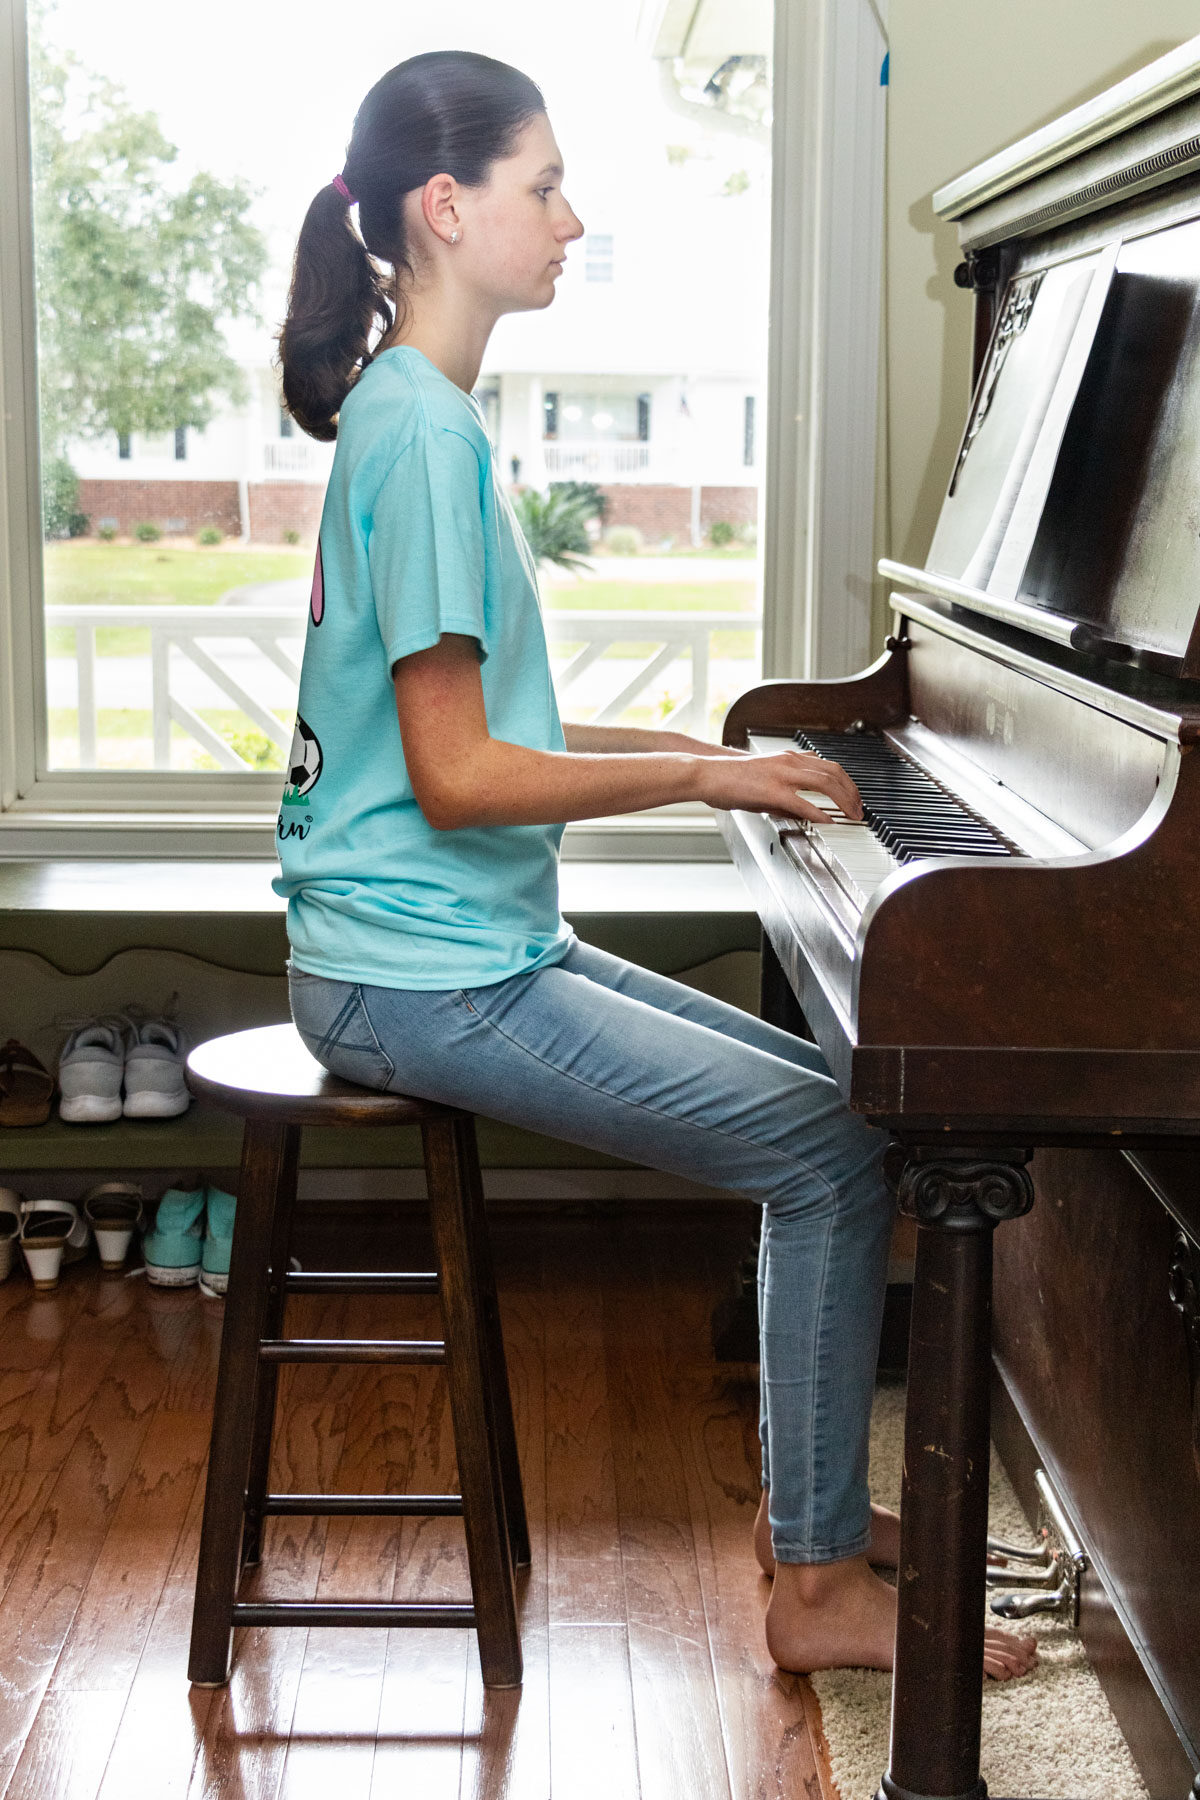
pixel 402 397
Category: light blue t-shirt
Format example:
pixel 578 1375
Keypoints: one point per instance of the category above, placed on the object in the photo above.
pixel 417 538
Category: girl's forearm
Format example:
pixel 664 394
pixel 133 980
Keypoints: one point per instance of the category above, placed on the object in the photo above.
pixel 506 784
pixel 609 740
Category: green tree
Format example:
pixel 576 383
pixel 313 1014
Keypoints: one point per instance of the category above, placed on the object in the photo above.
pixel 137 271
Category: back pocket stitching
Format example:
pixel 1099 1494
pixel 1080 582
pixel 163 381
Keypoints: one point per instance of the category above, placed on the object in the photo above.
pixel 362 1007
pixel 337 1030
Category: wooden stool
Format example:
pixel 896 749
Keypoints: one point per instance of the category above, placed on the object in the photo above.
pixel 268 1078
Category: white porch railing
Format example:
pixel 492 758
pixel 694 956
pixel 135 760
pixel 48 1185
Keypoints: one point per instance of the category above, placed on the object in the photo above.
pixel 595 462
pixel 176 646
pixel 296 456
pixel 674 638
pixel 234 657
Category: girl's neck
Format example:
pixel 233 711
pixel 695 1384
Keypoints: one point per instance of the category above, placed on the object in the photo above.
pixel 447 331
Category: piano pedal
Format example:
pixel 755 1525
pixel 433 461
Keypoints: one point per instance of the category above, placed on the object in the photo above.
pixel 1050 1580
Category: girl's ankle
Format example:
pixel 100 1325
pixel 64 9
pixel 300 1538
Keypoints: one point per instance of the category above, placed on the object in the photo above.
pixel 814 1584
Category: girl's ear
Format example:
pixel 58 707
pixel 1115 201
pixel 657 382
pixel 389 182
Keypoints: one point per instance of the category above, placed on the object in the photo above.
pixel 438 205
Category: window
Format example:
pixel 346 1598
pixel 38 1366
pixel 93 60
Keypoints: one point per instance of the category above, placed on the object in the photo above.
pixel 287 424
pixel 188 714
pixel 748 432
pixel 598 257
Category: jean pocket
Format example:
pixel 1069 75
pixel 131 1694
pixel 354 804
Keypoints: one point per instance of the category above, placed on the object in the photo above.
pixel 332 1019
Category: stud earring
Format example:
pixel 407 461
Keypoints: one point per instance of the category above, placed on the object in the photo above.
pixel 454 237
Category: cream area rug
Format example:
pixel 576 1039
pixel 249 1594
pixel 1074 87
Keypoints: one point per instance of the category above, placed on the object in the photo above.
pixel 1050 1734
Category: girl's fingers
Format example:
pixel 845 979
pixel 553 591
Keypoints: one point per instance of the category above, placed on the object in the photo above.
pixel 794 806
pixel 822 777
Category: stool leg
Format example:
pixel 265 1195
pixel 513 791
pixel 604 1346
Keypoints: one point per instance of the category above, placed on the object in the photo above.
pixel 472 1410
pixel 494 1357
pixel 267 1150
pixel 267 1381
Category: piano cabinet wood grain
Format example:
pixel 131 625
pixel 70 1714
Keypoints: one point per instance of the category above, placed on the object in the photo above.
pixel 879 695
pixel 1093 1357
pixel 1047 982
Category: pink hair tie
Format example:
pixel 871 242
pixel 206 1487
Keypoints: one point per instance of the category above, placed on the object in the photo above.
pixel 344 191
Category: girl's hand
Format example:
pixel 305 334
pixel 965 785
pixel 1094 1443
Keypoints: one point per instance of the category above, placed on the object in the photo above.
pixel 775 784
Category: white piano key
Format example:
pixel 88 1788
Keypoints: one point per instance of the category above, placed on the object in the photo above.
pixel 784 822
pixel 854 855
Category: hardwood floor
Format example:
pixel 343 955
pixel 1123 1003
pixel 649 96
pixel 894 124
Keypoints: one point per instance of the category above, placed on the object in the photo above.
pixel 646 1677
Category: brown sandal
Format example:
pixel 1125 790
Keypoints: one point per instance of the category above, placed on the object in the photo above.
pixel 26 1086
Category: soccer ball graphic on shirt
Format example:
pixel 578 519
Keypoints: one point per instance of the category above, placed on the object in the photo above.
pixel 304 763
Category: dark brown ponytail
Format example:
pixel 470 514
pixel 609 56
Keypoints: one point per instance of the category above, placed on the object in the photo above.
pixel 449 112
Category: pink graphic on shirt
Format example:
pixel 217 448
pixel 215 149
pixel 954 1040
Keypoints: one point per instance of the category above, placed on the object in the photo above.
pixel 317 602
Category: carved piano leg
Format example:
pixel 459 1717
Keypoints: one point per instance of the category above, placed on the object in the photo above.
pixel 957 1200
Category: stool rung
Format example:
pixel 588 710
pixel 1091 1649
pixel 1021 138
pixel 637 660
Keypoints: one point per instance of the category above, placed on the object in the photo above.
pixel 416 1506
pixel 327 1281
pixel 352 1612
pixel 352 1350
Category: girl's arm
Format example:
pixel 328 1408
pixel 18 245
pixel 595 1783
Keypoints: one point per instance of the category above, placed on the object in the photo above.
pixel 609 740
pixel 462 776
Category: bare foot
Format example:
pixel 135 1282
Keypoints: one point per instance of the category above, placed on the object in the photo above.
pixel 841 1615
pixel 883 1552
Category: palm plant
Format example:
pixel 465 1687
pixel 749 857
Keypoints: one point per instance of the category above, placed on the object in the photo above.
pixel 554 525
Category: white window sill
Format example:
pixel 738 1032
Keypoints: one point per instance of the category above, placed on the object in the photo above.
pixel 25 834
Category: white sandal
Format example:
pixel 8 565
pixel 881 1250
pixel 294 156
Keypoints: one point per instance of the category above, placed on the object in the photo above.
pixel 113 1209
pixel 47 1227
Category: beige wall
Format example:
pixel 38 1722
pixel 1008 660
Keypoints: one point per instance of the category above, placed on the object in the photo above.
pixel 966 79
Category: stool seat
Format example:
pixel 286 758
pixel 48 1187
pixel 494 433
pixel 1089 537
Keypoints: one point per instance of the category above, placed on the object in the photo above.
pixel 268 1079
pixel 268 1074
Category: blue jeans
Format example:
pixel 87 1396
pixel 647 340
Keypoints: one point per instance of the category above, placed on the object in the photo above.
pixel 608 1055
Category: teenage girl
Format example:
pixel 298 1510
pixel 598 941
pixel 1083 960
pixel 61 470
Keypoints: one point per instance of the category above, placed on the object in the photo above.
pixel 431 779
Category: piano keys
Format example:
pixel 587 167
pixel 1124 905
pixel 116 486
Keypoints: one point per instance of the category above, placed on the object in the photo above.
pixel 907 814
pixel 1003 954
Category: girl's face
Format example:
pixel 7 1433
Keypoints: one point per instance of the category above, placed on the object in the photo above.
pixel 514 232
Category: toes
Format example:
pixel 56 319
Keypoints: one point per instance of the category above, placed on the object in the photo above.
pixel 1006 1655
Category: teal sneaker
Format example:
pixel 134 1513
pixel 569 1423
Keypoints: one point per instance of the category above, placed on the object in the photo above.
pixel 172 1246
pixel 218 1242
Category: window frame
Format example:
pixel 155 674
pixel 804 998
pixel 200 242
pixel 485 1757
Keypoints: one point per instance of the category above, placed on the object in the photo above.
pixel 86 813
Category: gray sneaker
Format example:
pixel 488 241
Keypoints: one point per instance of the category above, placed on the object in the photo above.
pixel 154 1084
pixel 90 1066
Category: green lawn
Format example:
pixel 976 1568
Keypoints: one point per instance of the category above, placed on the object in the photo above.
pixel 81 573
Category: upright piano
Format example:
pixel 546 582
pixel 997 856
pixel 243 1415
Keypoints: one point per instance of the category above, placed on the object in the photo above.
pixel 1005 954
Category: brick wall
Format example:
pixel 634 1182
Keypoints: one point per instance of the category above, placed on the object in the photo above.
pixel 279 506
pixel 738 505
pixel 275 506
pixel 659 511
pixel 133 503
